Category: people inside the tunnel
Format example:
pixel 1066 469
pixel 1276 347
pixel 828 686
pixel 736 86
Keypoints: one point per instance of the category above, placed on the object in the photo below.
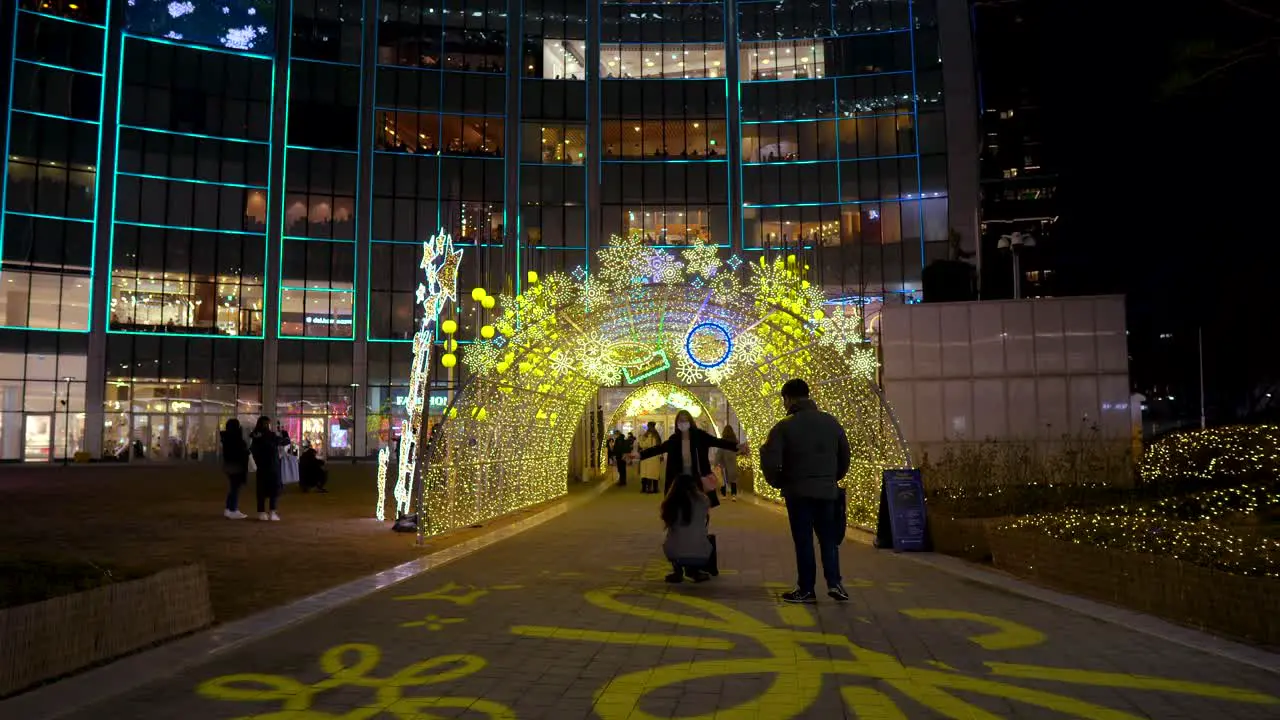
pixel 611 457
pixel 650 469
pixel 727 462
pixel 622 448
pixel 805 457
pixel 686 512
pixel 688 453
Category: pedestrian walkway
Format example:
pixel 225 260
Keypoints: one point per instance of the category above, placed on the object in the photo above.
pixel 572 620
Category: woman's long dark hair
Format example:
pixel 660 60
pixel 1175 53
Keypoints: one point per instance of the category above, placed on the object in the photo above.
pixel 729 434
pixel 263 426
pixel 677 506
pixel 687 416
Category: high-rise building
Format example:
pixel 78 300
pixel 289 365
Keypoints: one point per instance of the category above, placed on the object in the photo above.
pixel 1019 167
pixel 215 208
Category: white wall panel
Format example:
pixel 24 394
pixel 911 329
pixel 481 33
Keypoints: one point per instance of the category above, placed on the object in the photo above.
pixel 1114 396
pixel 928 412
pixel 957 350
pixel 901 397
pixel 895 343
pixel 926 343
pixel 1085 408
pixel 1053 414
pixel 1113 340
pixel 1079 335
pixel 1019 339
pixel 987 335
pixel 1024 417
pixel 957 401
pixel 1028 370
pixel 1051 354
pixel 990 414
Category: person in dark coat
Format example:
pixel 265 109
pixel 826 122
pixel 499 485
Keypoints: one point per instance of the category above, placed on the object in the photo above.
pixel 621 450
pixel 805 457
pixel 688 452
pixel 312 474
pixel 235 462
pixel 265 446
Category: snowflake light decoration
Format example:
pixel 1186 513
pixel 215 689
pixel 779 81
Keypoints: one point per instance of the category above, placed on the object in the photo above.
pixel 664 268
pixel 701 259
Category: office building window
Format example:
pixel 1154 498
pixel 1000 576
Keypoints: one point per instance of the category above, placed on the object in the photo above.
pixel 168 397
pixel 190 210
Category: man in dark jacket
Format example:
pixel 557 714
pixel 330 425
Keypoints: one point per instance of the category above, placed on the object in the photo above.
pixel 806 455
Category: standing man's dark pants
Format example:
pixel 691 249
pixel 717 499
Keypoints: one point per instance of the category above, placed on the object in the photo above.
pixel 622 470
pixel 237 480
pixel 809 517
pixel 269 490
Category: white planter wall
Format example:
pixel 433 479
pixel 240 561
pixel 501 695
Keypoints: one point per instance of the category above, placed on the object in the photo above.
pixel 1006 370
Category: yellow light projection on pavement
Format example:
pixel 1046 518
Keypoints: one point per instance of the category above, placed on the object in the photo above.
pixel 349 666
pixel 744 327
pixel 790 666
pixel 797 675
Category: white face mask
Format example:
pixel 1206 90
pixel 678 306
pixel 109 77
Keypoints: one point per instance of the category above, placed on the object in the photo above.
pixel 682 426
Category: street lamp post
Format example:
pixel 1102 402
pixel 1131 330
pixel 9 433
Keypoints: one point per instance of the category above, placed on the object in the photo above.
pixel 351 442
pixel 1015 243
pixel 66 421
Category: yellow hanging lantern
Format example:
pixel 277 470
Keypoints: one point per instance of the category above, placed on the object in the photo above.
pixel 449 327
pixel 486 332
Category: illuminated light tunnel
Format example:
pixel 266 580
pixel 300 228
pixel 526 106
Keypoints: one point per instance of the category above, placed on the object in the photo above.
pixel 506 438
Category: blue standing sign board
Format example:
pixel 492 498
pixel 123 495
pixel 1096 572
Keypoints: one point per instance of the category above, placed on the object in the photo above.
pixel 902 510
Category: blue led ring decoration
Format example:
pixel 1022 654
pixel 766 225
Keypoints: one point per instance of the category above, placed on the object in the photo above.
pixel 713 328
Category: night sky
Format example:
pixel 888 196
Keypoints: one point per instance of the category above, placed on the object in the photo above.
pixel 1164 192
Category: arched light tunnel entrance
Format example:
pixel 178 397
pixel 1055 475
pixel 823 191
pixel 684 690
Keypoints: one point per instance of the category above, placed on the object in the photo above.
pixel 510 433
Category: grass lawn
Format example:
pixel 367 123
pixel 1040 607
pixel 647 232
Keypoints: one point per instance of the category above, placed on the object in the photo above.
pixel 61 527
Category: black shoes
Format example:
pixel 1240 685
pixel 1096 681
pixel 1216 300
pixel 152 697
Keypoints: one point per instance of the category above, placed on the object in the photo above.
pixel 807 597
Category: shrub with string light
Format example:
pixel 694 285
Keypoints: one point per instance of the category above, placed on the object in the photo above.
pixel 506 442
pixel 1237 451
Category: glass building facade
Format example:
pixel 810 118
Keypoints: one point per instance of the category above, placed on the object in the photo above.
pixel 216 209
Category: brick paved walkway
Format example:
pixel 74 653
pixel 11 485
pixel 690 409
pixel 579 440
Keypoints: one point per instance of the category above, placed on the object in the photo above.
pixel 572 620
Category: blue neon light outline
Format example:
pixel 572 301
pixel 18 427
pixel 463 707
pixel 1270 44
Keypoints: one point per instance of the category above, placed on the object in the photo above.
pixel 97 171
pixel 72 21
pixel 915 125
pixel 52 116
pixel 188 228
pixel 192 181
pixel 197 46
pixel 707 325
pixel 181 133
pixel 115 175
pixel 53 66
pixel 833 118
pixel 884 73
pixel 44 216
pixel 288 93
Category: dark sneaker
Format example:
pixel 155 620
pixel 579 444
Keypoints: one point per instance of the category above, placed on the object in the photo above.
pixel 800 596
pixel 675 578
pixel 701 576
pixel 838 592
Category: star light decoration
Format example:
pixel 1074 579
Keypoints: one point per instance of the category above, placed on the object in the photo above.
pixel 701 259
pixel 440 263
pixel 555 347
